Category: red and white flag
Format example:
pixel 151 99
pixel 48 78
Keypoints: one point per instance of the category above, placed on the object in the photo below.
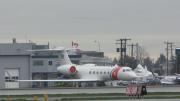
pixel 75 45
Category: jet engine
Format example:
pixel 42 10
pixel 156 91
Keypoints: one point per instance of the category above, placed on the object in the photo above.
pixel 67 69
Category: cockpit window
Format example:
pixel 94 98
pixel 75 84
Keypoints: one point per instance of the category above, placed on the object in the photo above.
pixel 126 70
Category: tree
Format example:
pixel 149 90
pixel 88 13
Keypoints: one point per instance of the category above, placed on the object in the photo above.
pixel 149 63
pixel 141 54
pixel 131 62
pixel 160 62
pixel 161 59
pixel 115 61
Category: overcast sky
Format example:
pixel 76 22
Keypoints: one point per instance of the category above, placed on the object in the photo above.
pixel 148 22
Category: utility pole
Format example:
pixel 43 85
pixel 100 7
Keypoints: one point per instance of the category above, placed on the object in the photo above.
pixel 171 46
pixel 168 45
pixel 137 53
pixel 122 49
pixel 167 57
pixel 132 49
pixel 121 52
pixel 172 57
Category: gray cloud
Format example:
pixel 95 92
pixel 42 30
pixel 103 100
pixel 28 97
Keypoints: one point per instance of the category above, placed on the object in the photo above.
pixel 60 21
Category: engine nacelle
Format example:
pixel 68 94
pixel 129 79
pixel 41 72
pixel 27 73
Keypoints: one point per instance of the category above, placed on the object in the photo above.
pixel 67 69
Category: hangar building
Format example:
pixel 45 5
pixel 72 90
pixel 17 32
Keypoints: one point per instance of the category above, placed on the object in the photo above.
pixel 17 63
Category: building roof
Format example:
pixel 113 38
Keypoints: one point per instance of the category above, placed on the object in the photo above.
pixel 18 48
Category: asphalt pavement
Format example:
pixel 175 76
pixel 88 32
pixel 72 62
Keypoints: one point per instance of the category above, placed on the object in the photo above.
pixel 93 90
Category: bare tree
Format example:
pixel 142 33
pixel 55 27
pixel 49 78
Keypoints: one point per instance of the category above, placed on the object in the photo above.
pixel 141 54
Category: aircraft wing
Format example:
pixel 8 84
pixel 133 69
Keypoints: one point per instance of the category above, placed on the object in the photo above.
pixel 168 82
pixel 61 80
pixel 47 50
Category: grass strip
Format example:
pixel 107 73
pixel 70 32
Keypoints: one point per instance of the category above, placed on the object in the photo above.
pixel 100 96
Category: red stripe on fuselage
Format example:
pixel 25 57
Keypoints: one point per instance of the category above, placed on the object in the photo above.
pixel 114 74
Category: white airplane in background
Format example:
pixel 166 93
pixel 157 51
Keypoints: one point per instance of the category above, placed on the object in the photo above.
pixel 169 80
pixel 143 74
pixel 87 72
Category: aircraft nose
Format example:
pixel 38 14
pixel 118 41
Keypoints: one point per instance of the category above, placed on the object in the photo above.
pixel 133 75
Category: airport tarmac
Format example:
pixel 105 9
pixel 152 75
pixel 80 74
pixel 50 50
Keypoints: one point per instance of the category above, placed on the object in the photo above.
pixel 92 90
pixel 140 100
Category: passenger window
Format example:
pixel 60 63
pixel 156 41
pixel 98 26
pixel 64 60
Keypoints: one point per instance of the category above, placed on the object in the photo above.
pixel 100 72
pixel 93 72
pixel 89 72
pixel 50 63
pixel 104 72
pixel 97 72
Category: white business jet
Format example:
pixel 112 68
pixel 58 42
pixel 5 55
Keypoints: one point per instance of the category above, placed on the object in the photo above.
pixel 87 72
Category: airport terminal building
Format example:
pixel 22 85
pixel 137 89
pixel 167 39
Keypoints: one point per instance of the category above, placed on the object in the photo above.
pixel 80 57
pixel 17 63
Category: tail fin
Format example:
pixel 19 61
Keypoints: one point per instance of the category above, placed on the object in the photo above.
pixel 60 51
pixel 66 58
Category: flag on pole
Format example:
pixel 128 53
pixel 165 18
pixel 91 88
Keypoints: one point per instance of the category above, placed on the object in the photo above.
pixel 75 45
